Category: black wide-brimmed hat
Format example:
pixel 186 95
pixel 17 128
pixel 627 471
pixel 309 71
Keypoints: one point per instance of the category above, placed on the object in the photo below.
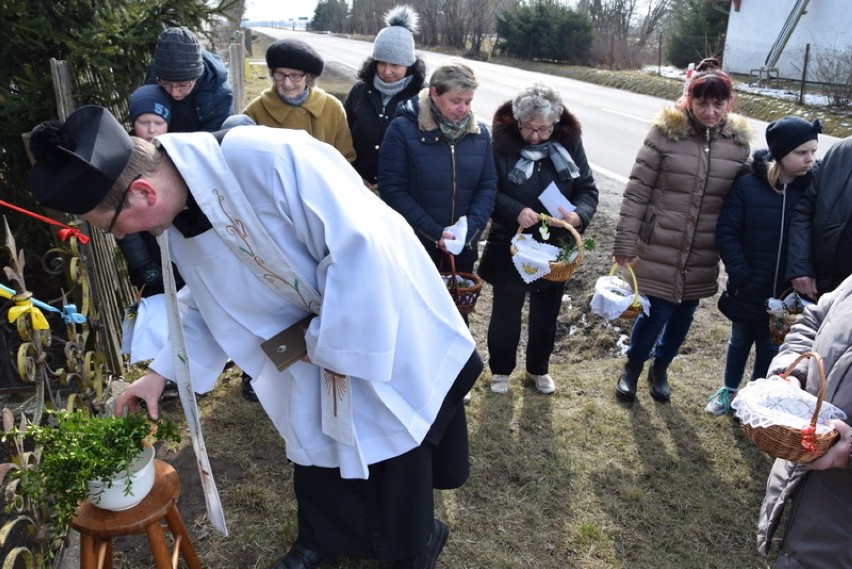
pixel 79 160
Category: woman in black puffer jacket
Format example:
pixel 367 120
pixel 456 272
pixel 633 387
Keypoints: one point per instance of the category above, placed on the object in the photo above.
pixel 391 75
pixel 531 135
pixel 752 235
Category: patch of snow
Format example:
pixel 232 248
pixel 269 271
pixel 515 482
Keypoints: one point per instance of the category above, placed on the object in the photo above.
pixel 810 99
pixel 621 343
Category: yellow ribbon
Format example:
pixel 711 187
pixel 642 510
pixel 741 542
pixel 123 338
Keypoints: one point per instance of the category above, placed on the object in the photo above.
pixel 26 307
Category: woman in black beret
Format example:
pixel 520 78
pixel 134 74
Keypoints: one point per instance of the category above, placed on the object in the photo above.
pixel 294 101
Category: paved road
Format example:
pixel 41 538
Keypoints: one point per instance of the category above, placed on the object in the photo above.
pixel 614 122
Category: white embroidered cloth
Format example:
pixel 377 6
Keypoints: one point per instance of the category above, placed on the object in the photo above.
pixel 775 401
pixel 533 258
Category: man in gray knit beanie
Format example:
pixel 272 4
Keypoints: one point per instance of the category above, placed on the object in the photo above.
pixel 195 80
pixel 178 55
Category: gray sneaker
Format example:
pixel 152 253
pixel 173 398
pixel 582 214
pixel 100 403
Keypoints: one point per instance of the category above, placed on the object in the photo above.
pixel 720 402
pixel 544 383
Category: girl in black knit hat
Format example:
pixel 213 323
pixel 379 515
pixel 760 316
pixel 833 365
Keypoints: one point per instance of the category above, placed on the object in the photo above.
pixel 752 236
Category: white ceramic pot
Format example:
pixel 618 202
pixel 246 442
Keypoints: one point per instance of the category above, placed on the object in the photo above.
pixel 141 482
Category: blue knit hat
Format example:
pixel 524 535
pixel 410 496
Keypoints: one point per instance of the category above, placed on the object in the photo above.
pixel 150 99
pixel 178 55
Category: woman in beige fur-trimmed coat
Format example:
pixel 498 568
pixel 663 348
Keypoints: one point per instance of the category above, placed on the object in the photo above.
pixel 667 225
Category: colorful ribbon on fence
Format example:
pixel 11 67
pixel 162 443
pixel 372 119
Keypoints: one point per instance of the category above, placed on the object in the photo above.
pixel 23 307
pixel 7 292
pixel 71 316
pixel 64 234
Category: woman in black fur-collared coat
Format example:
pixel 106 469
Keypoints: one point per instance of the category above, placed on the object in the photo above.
pixel 536 142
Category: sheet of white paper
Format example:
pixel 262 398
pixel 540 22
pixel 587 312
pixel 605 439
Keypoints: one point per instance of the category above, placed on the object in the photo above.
pixel 552 199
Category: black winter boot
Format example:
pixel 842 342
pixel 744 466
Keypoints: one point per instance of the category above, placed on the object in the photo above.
pixel 625 390
pixel 658 377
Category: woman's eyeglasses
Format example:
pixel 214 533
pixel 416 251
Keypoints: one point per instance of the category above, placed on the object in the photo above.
pixel 541 131
pixel 294 77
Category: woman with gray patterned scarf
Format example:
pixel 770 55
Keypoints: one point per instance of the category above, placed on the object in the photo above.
pixel 536 143
pixel 391 75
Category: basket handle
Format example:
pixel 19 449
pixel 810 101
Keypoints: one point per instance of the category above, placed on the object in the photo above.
pixel 454 281
pixel 562 223
pixel 808 433
pixel 612 272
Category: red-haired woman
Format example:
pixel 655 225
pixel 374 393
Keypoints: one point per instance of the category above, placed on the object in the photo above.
pixel 667 225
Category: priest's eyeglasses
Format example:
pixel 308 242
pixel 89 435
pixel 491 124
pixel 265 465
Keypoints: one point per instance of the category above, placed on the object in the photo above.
pixel 120 207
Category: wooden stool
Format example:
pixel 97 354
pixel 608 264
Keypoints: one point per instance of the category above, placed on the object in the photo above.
pixel 97 527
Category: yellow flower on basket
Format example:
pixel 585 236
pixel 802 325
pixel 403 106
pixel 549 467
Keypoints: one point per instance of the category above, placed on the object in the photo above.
pixel 529 268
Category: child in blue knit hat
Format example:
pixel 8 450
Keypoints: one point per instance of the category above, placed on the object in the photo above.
pixel 150 111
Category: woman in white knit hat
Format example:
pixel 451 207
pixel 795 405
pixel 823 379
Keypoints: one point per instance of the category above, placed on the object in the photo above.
pixel 392 74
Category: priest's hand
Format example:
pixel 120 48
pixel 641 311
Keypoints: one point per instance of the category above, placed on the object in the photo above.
pixel 148 389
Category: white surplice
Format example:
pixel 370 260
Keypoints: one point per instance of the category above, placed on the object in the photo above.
pixel 386 321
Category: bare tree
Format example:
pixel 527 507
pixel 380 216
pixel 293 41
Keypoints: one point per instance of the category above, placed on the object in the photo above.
pixel 654 20
pixel 430 21
pixel 368 15
pixel 483 20
pixel 454 23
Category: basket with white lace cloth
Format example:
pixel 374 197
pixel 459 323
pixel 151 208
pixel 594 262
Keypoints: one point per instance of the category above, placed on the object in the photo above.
pixel 786 421
pixel 534 259
pixel 615 298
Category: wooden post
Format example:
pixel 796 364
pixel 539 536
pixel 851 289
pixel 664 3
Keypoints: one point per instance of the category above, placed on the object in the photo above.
pixel 804 73
pixel 110 288
pixel 237 74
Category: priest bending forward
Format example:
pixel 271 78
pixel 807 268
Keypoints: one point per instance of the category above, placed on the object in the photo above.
pixel 269 226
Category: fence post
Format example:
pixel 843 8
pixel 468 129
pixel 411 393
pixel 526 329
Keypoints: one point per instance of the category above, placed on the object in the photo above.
pixel 804 74
pixel 237 59
pixel 110 291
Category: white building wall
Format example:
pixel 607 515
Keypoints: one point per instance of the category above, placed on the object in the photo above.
pixel 826 25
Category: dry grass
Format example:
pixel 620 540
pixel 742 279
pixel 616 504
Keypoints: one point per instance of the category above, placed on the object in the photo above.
pixel 572 480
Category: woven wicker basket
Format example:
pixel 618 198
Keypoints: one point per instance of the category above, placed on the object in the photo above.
pixel 780 325
pixel 560 271
pixel 464 297
pixel 635 308
pixel 792 444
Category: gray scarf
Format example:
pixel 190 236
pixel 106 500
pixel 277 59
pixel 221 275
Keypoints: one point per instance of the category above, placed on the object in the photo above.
pixel 388 90
pixel 298 100
pixel 562 161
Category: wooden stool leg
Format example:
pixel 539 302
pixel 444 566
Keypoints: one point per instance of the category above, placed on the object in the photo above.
pixel 88 556
pixel 178 530
pixel 158 545
pixel 104 550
